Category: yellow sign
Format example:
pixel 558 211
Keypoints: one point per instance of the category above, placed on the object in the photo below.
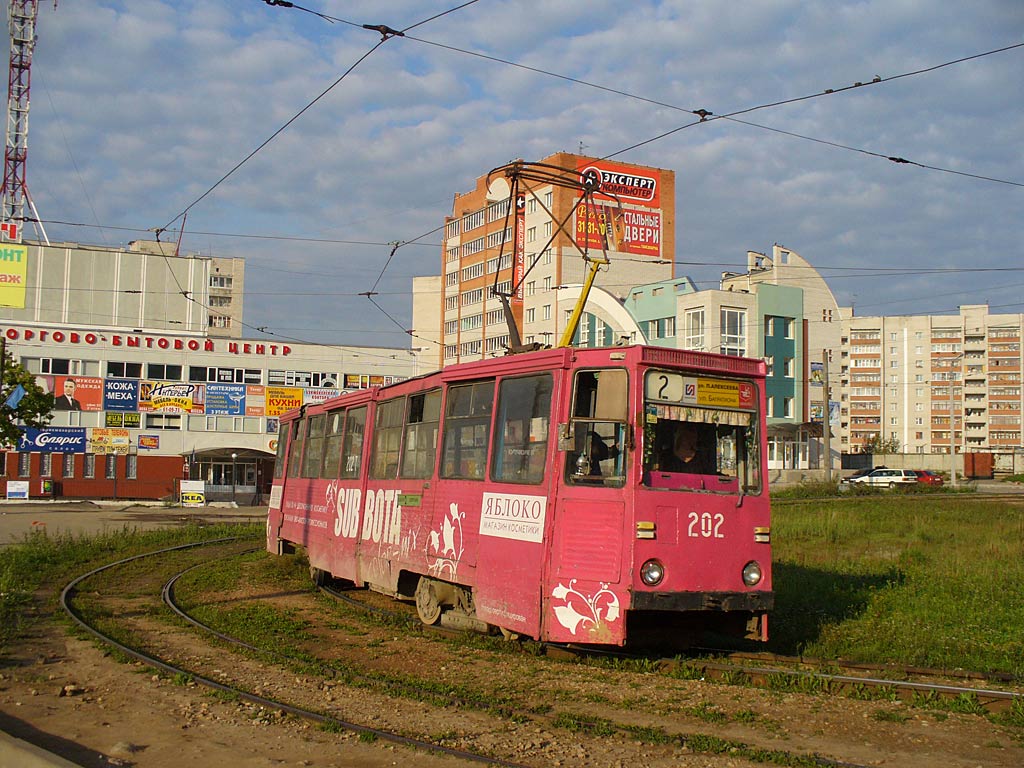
pixel 13 274
pixel 283 399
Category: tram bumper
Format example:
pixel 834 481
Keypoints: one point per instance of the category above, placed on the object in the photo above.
pixel 754 602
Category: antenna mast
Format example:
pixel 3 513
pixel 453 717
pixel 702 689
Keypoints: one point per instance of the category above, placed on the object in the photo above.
pixel 22 15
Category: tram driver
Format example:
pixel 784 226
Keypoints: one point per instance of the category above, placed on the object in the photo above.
pixel 687 450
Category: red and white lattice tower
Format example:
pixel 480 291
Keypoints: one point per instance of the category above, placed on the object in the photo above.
pixel 23 40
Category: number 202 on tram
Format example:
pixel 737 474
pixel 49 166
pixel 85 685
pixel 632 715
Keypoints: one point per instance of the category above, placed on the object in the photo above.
pixel 593 496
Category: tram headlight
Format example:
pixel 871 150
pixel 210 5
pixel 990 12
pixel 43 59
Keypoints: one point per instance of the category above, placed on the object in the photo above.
pixel 752 573
pixel 652 572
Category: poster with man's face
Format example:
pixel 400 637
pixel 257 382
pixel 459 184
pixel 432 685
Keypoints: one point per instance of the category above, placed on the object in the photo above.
pixel 74 393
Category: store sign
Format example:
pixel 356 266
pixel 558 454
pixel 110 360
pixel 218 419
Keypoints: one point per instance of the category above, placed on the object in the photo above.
pixel 131 341
pixel 17 489
pixel 52 440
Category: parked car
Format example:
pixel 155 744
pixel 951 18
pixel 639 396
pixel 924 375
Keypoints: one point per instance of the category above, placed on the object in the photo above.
pixel 865 471
pixel 891 478
pixel 927 476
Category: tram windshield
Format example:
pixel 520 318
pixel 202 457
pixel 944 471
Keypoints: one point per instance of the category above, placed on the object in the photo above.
pixel 595 436
pixel 700 433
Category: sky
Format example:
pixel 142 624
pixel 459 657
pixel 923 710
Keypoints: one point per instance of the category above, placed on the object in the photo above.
pixel 308 147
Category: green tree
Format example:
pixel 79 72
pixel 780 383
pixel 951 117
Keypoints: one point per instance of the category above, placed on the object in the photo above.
pixel 34 408
pixel 879 444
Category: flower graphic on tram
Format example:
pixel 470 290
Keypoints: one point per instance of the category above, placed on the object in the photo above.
pixel 585 609
pixel 446 544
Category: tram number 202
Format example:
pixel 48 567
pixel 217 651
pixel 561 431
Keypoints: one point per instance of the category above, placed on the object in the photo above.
pixel 706 525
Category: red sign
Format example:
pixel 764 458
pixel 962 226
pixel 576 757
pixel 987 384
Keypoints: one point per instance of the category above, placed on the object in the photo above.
pixel 620 182
pixel 625 230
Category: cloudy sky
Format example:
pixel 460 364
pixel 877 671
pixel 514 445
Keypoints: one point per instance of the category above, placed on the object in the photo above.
pixel 140 108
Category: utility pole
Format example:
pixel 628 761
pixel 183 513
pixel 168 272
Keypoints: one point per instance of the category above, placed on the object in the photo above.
pixel 826 422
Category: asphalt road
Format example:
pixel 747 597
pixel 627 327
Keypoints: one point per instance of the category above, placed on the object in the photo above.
pixel 21 519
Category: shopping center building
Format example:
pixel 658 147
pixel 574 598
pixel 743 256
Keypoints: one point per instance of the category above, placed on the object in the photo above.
pixel 151 389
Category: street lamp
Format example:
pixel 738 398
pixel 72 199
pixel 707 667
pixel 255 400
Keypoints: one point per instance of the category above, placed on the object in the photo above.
pixel 234 482
pixel 952 422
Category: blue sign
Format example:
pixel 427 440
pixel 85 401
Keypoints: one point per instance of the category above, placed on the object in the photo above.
pixel 120 394
pixel 52 440
pixel 225 399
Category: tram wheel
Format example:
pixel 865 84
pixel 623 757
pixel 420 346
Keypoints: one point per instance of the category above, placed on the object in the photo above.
pixel 427 605
pixel 318 575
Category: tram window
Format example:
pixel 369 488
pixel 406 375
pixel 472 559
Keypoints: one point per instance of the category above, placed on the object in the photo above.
pixel 295 451
pixel 598 428
pixel 279 459
pixel 521 439
pixel 352 447
pixel 332 445
pixel 387 439
pixel 467 425
pixel 696 448
pixel 314 446
pixel 421 427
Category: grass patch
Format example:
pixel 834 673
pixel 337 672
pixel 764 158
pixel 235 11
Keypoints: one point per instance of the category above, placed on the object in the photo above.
pixel 920 580
pixel 41 562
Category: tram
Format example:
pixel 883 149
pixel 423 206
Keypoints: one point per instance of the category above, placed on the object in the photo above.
pixel 539 493
pixel 586 495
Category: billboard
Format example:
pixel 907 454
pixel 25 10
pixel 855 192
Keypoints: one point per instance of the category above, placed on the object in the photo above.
pixel 74 393
pixel 13 274
pixel 170 397
pixel 626 230
pixel 621 183
pixel 52 440
pixel 225 399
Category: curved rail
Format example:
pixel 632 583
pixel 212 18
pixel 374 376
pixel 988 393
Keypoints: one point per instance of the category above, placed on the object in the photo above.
pixel 66 598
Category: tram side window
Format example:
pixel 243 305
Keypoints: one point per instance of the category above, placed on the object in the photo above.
pixel 352 447
pixel 332 444
pixel 598 428
pixel 421 428
pixel 521 437
pixel 314 446
pixel 281 457
pixel 295 451
pixel 387 439
pixel 467 425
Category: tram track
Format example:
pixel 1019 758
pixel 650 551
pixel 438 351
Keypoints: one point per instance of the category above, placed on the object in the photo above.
pixel 588 722
pixel 775 670
pixel 167 595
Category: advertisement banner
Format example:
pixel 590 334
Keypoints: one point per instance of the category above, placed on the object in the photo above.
pixel 17 489
pixel 255 400
pixel 52 440
pixel 627 185
pixel 519 260
pixel 120 394
pixel 149 442
pixel 109 441
pixel 117 419
pixel 13 274
pixel 817 374
pixel 225 399
pixel 74 393
pixel 193 493
pixel 170 397
pixel 318 394
pixel 606 227
pixel 283 399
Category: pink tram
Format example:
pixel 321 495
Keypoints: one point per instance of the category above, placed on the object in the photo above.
pixel 550 494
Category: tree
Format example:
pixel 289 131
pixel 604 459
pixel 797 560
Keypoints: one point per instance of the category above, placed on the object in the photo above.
pixel 33 409
pixel 878 444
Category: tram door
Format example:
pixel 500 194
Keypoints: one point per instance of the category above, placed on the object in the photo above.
pixel 515 510
pixel 583 587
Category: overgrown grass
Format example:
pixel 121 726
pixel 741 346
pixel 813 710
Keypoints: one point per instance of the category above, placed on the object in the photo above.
pixel 44 563
pixel 932 582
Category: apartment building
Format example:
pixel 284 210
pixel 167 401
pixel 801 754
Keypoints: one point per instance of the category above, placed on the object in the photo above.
pixel 633 221
pixel 921 382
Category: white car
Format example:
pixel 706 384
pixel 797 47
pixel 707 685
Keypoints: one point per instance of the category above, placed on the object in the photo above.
pixel 890 478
